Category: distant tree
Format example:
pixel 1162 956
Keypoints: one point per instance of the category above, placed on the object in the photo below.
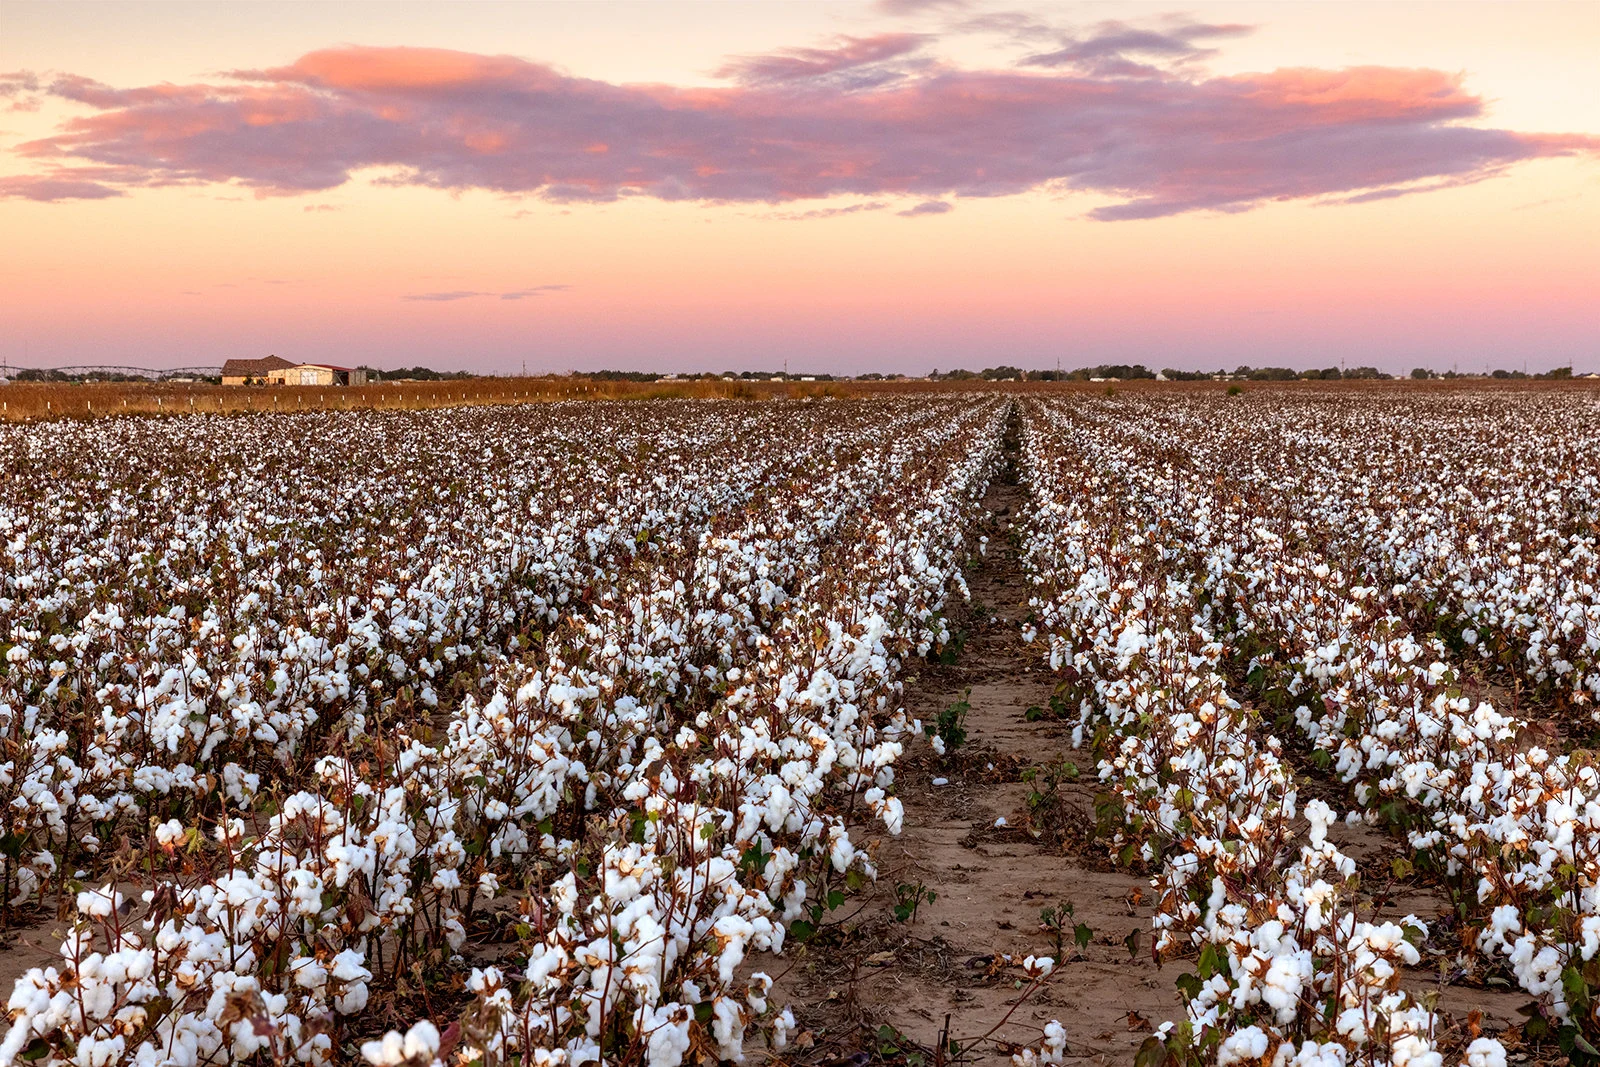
pixel 1123 371
pixel 423 374
pixel 622 376
pixel 1272 374
pixel 1422 373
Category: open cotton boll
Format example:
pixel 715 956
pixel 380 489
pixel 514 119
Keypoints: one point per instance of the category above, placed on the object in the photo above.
pixel 420 1044
pixel 1485 1052
pixel 1243 1046
pixel 99 904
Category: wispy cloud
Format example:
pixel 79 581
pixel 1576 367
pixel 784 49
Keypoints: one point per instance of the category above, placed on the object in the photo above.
pixel 825 212
pixel 927 207
pixel 1168 140
pixel 1115 48
pixel 537 290
pixel 856 62
pixel 917 7
pixel 52 187
pixel 467 294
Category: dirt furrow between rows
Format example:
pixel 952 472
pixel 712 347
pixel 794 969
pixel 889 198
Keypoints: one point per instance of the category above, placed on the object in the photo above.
pixel 998 862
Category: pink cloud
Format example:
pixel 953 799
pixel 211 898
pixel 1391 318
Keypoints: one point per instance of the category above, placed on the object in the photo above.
pixel 1161 143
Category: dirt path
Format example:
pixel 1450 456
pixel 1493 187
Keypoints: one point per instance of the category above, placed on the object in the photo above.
pixel 992 881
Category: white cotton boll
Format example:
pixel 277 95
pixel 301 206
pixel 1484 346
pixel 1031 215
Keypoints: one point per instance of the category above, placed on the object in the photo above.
pixel 1280 987
pixel 169 833
pixel 99 904
pixel 1243 1047
pixel 1312 1054
pixel 841 852
pixel 385 1052
pixel 782 1027
pixel 308 972
pixel 727 1027
pixel 1590 927
pixel 756 992
pixel 422 1041
pixel 1410 1050
pixel 1055 1043
pixel 1485 1052
pixel 669 1035
pixel 1320 816
pixel 941 781
pixel 733 932
pixel 352 1000
pixel 894 816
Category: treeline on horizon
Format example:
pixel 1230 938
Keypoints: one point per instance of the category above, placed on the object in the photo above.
pixel 1099 373
pixel 1138 371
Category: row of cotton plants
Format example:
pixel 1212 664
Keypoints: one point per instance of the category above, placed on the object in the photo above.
pixel 1288 972
pixel 1482 508
pixel 1513 827
pixel 1487 521
pixel 647 749
pixel 191 606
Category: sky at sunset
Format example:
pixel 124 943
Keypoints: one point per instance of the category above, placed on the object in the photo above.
pixel 891 186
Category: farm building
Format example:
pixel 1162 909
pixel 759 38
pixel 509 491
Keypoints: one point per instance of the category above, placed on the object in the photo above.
pixel 320 374
pixel 253 371
pixel 275 370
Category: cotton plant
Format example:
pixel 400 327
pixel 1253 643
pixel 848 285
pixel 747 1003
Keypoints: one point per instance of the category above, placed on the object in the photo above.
pixel 1205 797
pixel 645 691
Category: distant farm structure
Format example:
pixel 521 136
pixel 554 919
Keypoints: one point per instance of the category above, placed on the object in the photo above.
pixel 275 370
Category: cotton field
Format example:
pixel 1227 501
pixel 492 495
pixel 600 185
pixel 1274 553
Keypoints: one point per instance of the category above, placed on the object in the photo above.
pixel 537 734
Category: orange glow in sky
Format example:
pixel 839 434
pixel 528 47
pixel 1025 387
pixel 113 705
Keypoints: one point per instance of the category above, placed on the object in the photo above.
pixel 845 186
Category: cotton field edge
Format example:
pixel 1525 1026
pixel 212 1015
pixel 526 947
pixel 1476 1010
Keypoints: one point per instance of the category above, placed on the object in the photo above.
pixel 535 733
